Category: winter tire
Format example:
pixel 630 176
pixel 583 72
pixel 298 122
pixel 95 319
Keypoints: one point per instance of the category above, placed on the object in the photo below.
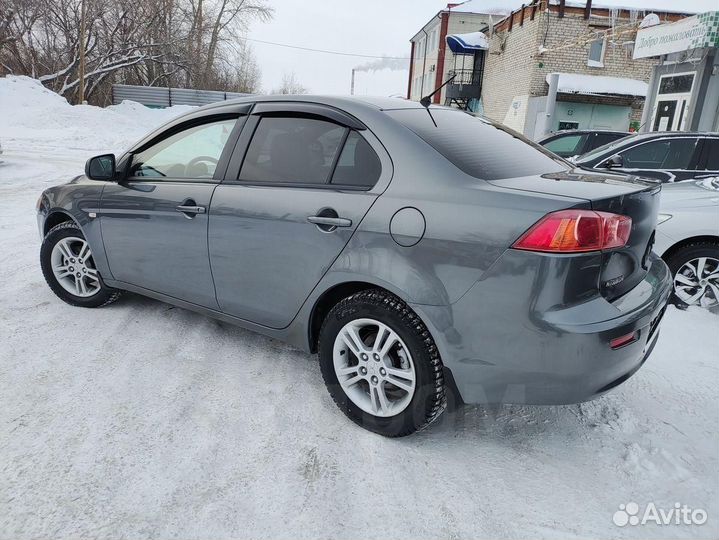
pixel 69 268
pixel 381 365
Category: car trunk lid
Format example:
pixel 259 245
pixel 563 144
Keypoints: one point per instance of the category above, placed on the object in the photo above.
pixel 622 268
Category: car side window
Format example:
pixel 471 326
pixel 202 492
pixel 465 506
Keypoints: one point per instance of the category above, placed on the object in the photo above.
pixel 358 164
pixel 661 154
pixel 567 145
pixel 600 139
pixel 190 153
pixel 711 150
pixel 292 150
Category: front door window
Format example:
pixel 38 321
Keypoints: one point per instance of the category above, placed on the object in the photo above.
pixel 191 153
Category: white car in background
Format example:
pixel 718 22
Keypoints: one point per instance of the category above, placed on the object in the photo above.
pixel 687 238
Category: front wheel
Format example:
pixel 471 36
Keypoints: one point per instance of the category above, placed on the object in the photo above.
pixel 381 365
pixel 695 271
pixel 69 268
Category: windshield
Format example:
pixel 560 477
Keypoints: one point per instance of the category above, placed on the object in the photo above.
pixel 602 149
pixel 478 146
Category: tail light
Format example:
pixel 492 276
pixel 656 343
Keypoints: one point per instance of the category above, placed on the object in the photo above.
pixel 575 231
pixel 616 343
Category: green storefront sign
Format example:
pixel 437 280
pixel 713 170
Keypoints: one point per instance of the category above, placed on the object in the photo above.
pixel 691 33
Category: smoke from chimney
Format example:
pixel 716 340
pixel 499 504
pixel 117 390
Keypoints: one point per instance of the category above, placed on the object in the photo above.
pixel 393 64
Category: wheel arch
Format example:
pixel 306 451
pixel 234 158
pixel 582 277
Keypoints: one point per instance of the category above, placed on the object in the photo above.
pixel 54 218
pixel 669 253
pixel 327 300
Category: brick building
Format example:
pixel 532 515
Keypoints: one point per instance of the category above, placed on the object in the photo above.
pixel 432 61
pixel 589 46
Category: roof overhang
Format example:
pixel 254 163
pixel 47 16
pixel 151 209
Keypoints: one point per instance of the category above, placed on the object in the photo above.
pixel 594 85
pixel 467 43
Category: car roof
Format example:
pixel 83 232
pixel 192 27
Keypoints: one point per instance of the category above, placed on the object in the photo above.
pixel 373 102
pixel 656 134
pixel 353 105
pixel 569 132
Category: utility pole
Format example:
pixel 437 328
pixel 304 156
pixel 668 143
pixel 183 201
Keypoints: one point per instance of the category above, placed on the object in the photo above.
pixel 352 84
pixel 81 66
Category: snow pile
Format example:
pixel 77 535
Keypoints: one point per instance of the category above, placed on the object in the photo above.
pixel 31 116
pixel 575 83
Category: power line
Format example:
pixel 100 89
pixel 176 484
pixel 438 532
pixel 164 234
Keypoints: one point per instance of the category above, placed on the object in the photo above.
pixel 324 50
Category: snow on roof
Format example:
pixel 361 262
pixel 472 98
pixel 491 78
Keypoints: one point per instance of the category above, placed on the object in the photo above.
pixel 489 7
pixel 664 6
pixel 467 43
pixel 574 83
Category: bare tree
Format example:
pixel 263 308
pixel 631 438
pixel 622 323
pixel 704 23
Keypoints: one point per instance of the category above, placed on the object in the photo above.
pixel 290 85
pixel 156 42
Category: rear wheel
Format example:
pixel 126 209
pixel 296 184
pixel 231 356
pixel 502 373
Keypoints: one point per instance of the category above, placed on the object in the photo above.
pixel 69 268
pixel 695 271
pixel 381 365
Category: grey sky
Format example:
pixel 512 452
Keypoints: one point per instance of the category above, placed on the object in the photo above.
pixel 374 27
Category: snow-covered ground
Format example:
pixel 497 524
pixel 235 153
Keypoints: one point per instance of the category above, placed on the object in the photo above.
pixel 142 420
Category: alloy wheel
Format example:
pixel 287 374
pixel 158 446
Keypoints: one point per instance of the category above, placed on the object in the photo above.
pixel 74 268
pixel 697 282
pixel 374 367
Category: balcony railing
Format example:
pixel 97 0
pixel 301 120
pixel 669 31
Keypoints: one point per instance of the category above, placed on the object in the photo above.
pixel 466 76
pixel 466 85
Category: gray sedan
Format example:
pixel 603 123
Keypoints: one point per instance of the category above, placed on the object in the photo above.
pixel 421 252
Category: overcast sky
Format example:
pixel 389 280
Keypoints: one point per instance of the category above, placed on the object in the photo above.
pixel 372 27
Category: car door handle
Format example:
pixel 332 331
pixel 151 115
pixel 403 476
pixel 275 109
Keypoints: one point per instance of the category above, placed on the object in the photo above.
pixel 191 209
pixel 330 221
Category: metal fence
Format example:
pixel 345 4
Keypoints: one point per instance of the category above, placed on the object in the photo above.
pixel 160 96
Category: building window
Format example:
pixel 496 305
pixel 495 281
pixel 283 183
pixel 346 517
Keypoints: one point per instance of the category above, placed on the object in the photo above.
pixel 596 53
pixel 420 48
pixel 432 44
pixel 676 84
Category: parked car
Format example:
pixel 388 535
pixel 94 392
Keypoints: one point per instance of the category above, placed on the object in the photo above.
pixel 688 240
pixel 667 156
pixel 576 142
pixel 379 235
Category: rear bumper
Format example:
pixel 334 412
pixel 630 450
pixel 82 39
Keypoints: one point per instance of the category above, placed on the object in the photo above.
pixel 509 339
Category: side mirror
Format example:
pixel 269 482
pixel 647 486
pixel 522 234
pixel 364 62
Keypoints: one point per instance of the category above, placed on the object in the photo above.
pixel 614 162
pixel 101 167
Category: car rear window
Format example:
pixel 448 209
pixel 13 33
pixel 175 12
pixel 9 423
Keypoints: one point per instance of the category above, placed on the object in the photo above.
pixel 478 146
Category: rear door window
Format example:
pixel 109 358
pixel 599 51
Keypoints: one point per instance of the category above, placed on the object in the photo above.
pixel 478 146
pixel 292 150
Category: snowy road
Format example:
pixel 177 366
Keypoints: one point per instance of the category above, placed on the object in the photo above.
pixel 141 420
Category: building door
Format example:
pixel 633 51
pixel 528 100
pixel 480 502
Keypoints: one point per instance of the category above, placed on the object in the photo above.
pixel 672 104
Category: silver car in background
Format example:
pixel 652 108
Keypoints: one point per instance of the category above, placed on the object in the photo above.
pixel 687 239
